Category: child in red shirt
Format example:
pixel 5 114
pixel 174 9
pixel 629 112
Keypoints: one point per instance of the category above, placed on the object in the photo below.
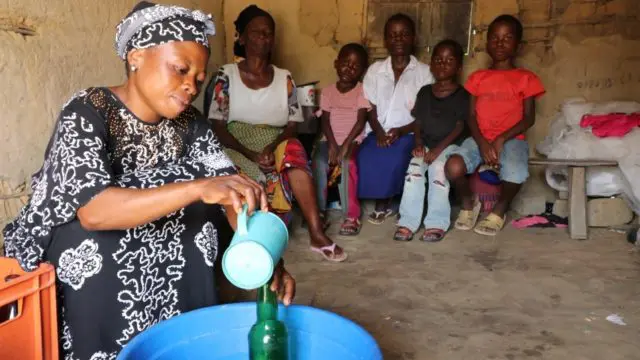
pixel 502 110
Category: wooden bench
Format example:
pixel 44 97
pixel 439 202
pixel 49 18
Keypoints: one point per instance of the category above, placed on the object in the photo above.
pixel 577 190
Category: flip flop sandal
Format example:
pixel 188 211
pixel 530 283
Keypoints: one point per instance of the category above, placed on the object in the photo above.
pixel 491 225
pixel 467 218
pixel 403 234
pixel 332 250
pixel 378 217
pixel 350 227
pixel 433 235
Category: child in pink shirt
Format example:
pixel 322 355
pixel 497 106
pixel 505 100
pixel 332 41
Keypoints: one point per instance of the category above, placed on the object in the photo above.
pixel 344 115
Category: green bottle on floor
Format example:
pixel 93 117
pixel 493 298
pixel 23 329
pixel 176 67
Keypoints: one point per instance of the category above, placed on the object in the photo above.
pixel 268 338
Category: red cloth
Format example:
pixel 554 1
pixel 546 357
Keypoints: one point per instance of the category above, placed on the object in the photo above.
pixel 500 96
pixel 611 125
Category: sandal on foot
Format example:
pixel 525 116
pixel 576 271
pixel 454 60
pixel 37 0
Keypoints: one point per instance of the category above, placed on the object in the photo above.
pixel 377 217
pixel 350 227
pixel 491 225
pixel 432 235
pixel 403 234
pixel 467 218
pixel 331 249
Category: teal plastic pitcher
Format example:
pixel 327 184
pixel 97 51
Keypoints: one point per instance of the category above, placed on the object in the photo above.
pixel 255 249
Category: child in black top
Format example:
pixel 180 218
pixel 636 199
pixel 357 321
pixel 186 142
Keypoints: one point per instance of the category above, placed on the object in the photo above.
pixel 440 113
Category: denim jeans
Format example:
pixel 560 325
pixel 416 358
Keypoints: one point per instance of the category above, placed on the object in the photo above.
pixel 438 206
pixel 514 159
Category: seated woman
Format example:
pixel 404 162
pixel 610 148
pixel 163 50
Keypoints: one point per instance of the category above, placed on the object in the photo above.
pixel 127 202
pixel 255 113
pixel 391 86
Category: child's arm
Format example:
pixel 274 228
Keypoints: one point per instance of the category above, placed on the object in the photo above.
pixel 396 133
pixel 532 88
pixel 381 135
pixel 355 131
pixel 528 119
pixel 487 151
pixel 325 125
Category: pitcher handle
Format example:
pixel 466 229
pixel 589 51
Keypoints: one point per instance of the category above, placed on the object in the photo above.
pixel 242 221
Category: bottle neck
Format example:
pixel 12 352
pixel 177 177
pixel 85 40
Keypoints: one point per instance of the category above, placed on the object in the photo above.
pixel 267 304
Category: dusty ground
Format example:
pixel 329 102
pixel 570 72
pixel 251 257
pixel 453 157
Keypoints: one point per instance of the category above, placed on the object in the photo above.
pixel 532 294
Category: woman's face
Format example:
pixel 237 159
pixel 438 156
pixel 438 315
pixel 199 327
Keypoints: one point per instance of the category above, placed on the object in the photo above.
pixel 258 37
pixel 169 76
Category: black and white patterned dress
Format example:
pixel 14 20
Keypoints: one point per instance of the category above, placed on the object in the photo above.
pixel 115 284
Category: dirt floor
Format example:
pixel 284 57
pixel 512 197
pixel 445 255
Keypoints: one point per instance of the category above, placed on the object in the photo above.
pixel 531 294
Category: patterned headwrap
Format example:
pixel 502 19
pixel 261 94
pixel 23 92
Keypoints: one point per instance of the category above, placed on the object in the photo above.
pixel 149 25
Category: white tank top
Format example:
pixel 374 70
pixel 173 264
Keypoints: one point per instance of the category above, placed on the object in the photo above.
pixel 266 106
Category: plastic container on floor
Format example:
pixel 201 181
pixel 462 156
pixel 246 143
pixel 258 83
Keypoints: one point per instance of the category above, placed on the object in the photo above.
pixel 221 333
pixel 28 322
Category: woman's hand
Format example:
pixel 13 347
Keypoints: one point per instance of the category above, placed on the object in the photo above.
pixel 283 284
pixel 233 190
pixel 266 159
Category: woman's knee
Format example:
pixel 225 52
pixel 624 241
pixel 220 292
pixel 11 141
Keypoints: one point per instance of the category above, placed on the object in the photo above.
pixel 455 167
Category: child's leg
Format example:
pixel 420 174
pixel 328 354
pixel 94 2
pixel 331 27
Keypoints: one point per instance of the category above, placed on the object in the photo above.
pixel 412 203
pixel 349 185
pixel 320 170
pixel 462 162
pixel 349 194
pixel 438 206
pixel 514 171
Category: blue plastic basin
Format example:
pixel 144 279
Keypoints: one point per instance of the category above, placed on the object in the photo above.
pixel 221 332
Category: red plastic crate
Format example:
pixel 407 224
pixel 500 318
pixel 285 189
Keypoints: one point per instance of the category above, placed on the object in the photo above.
pixel 33 333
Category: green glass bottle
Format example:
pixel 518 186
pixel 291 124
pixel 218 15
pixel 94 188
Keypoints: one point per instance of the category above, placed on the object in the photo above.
pixel 268 338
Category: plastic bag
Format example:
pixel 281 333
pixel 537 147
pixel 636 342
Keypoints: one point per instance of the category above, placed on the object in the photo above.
pixel 557 129
pixel 566 140
pixel 574 109
pixel 601 181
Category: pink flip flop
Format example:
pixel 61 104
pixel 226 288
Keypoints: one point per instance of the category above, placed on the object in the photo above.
pixel 332 249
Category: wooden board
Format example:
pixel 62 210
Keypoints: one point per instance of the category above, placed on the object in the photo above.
pixel 563 162
pixel 435 20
